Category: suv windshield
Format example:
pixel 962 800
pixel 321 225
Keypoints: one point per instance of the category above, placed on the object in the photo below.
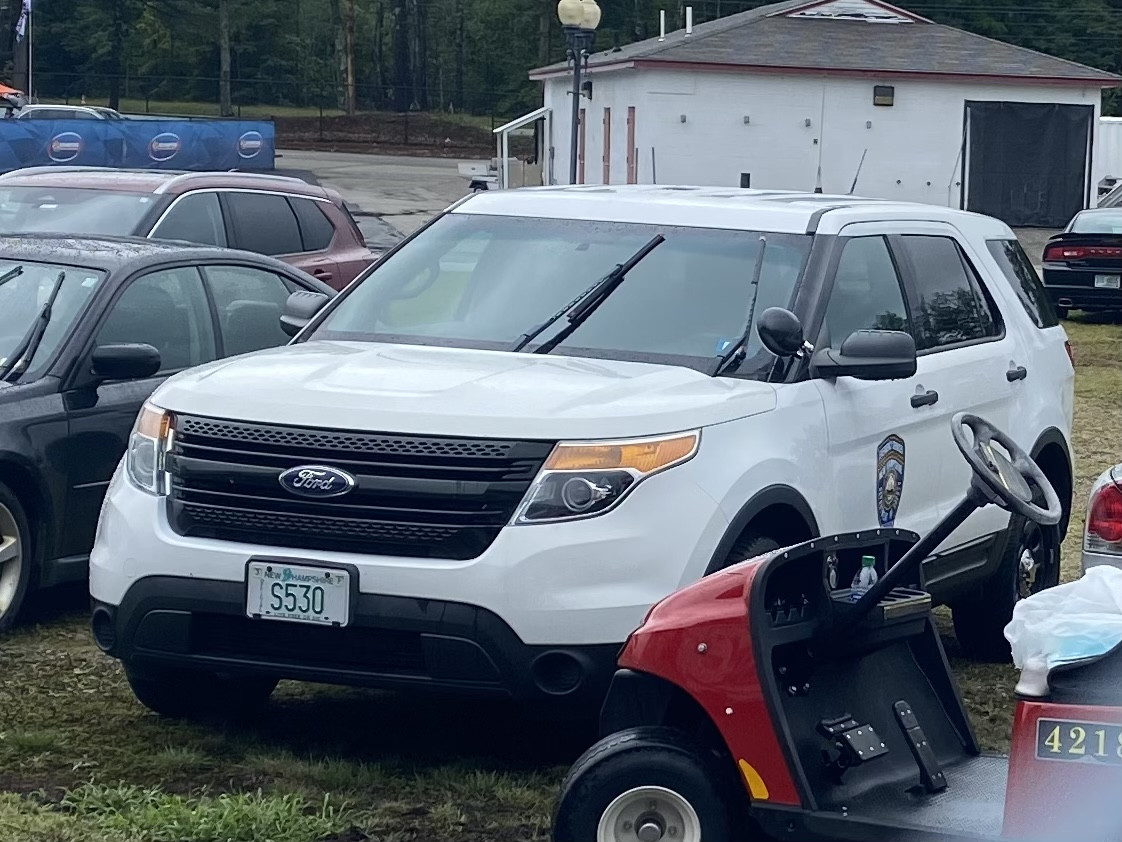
pixel 72 210
pixel 22 298
pixel 478 281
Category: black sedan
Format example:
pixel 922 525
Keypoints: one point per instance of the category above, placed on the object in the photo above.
pixel 1083 263
pixel 88 329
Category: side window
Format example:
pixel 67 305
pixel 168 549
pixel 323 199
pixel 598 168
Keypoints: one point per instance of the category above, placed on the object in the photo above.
pixel 316 229
pixel 951 306
pixel 1022 275
pixel 866 294
pixel 194 218
pixel 167 309
pixel 250 303
pixel 264 223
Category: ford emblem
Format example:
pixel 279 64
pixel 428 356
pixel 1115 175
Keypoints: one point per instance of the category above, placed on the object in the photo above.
pixel 316 481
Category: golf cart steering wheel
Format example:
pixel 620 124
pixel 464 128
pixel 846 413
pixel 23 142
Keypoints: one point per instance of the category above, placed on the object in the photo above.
pixel 1010 482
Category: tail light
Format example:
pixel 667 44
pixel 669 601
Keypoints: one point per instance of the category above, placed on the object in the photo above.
pixel 1058 251
pixel 1104 520
pixel 1070 352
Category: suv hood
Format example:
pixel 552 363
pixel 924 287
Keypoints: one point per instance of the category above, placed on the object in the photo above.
pixel 457 392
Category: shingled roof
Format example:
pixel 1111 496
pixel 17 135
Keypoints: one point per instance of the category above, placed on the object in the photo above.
pixel 843 37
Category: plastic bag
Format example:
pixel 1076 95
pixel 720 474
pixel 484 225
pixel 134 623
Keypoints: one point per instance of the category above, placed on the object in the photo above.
pixel 1071 622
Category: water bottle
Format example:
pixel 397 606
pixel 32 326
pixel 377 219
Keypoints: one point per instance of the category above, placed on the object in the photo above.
pixel 866 577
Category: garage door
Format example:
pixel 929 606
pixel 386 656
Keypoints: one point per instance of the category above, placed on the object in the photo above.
pixel 1027 163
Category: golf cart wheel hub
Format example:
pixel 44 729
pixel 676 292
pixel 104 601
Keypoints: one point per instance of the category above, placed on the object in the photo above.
pixel 649 814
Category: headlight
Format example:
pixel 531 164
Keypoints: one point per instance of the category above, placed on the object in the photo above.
pixel 148 444
pixel 584 479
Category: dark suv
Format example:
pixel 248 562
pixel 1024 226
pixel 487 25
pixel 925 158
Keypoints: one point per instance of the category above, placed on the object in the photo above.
pixel 303 224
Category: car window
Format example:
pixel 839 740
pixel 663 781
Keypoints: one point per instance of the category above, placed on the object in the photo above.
pixel 1097 222
pixel 250 303
pixel 264 223
pixel 484 281
pixel 316 230
pixel 1011 257
pixel 866 294
pixel 167 309
pixel 194 218
pixel 951 307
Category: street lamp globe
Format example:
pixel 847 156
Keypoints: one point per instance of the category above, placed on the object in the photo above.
pixel 591 14
pixel 570 12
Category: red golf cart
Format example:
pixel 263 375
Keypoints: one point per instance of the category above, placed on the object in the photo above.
pixel 764 702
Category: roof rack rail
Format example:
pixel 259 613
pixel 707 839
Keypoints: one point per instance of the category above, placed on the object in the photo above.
pixel 43 169
pixel 188 176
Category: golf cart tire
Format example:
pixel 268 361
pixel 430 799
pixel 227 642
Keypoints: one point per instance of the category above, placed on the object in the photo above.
pixel 648 757
pixel 979 622
pixel 193 694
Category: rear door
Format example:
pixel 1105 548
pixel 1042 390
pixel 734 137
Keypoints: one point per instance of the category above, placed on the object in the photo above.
pixel 966 353
pixel 883 444
pixel 267 224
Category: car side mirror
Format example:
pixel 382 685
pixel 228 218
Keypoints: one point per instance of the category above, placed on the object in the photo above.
pixel 300 308
pixel 125 362
pixel 868 355
pixel 780 331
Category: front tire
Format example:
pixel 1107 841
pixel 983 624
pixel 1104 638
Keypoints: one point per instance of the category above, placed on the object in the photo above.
pixel 190 694
pixel 17 570
pixel 647 784
pixel 1030 563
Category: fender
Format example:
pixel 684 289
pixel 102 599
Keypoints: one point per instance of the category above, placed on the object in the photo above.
pixel 28 483
pixel 1049 437
pixel 773 495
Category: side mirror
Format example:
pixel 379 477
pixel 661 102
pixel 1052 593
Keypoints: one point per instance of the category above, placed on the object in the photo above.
pixel 868 355
pixel 780 331
pixel 125 362
pixel 299 309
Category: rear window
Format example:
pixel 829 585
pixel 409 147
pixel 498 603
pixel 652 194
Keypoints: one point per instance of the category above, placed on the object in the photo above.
pixel 1098 222
pixel 1020 272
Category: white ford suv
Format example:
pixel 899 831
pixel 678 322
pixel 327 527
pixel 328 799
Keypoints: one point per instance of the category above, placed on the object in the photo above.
pixel 464 474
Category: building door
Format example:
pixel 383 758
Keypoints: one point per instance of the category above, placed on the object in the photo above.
pixel 632 164
pixel 1028 163
pixel 607 146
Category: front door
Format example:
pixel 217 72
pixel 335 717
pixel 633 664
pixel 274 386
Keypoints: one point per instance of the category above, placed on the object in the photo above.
pixel 167 309
pixel 883 453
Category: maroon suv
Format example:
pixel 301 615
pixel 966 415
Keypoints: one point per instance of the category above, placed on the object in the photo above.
pixel 303 224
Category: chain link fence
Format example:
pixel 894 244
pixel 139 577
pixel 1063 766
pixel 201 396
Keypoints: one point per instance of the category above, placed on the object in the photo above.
pixel 307 114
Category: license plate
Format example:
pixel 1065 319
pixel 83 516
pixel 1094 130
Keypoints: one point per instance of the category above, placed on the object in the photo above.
pixel 1108 281
pixel 1088 742
pixel 299 593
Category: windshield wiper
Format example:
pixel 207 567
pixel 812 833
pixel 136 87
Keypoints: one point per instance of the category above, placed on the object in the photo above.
pixel 30 342
pixel 11 274
pixel 735 353
pixel 583 306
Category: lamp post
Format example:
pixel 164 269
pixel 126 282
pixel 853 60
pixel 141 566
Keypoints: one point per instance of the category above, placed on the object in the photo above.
pixel 579 19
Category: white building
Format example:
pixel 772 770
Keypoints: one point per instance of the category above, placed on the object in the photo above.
pixel 843 96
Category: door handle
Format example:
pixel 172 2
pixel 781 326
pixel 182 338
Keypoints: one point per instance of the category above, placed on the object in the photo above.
pixel 322 274
pixel 926 399
pixel 1017 373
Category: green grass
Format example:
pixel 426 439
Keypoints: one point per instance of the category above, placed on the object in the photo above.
pixel 81 761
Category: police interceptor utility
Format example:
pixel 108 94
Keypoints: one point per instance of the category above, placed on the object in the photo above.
pixel 548 409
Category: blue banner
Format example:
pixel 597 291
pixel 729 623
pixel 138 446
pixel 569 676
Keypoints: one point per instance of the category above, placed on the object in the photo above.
pixel 138 144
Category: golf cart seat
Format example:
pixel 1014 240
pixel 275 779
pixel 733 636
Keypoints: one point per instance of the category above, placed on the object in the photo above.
pixel 1093 681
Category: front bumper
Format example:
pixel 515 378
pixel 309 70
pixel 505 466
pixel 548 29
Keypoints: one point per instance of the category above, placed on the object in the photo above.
pixel 391 642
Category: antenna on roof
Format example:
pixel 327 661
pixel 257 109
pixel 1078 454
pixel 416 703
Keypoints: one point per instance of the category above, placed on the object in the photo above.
pixel 689 20
pixel 662 25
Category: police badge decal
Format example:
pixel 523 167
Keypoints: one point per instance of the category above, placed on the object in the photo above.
pixel 890 479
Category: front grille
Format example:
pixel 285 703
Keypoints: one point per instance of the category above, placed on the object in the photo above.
pixel 414 496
